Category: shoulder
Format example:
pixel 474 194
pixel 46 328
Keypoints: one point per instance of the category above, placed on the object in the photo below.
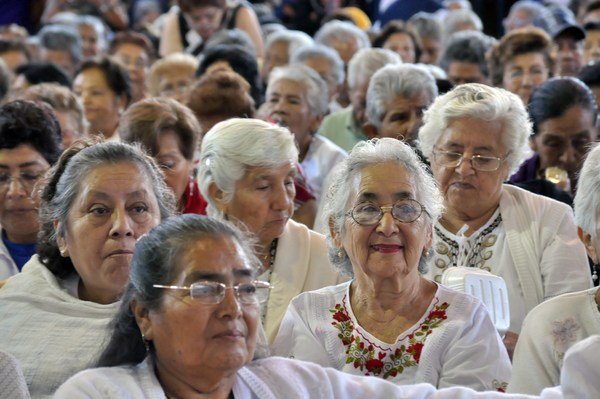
pixel 322 298
pixel 570 304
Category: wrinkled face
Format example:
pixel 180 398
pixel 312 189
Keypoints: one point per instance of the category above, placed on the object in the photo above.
pixel 136 60
pixel 591 47
pixel 389 248
pixel 194 339
pixel 524 73
pixel 430 51
pixel 570 55
pixel 21 168
pixel 59 57
pixel 263 200
pixel 358 99
pixel 204 20
pixel 89 41
pixel 325 70
pixel 175 83
pixel 277 55
pixel 114 207
pixel 404 117
pixel 460 72
pixel 345 48
pixel 468 192
pixel 402 44
pixel 565 141
pixel 176 167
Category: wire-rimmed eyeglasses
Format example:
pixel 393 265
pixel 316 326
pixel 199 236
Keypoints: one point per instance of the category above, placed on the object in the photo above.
pixel 484 163
pixel 213 292
pixel 405 211
pixel 28 180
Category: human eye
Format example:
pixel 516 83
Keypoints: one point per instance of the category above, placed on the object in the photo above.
pixel 449 156
pixel 97 92
pixel 553 142
pixel 515 73
pixel 31 176
pixel 405 210
pixel 139 208
pixel 99 210
pixel 581 143
pixel 367 208
pixel 206 290
pixel 4 178
pixel 484 161
pixel 399 117
pixel 166 165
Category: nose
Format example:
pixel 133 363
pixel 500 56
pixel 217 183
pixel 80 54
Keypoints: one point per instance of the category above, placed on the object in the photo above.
pixel 465 166
pixel 527 79
pixel 568 157
pixel 16 188
pixel 122 225
pixel 387 225
pixel 230 306
pixel 281 198
pixel 413 126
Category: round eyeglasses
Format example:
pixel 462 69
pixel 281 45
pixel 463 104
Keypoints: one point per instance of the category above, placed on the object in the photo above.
pixel 449 159
pixel 405 211
pixel 213 292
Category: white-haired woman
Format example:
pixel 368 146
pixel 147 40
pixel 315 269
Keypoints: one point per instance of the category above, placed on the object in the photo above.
pixel 279 48
pixel 390 321
pixel 247 177
pixel 554 326
pixel 475 136
pixel 297 99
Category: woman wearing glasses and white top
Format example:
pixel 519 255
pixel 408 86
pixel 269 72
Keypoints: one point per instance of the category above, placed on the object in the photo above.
pixel 389 321
pixel 474 137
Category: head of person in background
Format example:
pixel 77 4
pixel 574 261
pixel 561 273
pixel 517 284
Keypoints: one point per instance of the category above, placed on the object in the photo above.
pixel 14 53
pixel 522 60
pixel 565 123
pixel 590 75
pixel 5 79
pixel 591 44
pixel 172 76
pixel 528 13
pixel 461 20
pixel 103 86
pixel 219 95
pixel 94 36
pixel 568 39
pixel 397 37
pixel 30 143
pixel 170 133
pixel 279 47
pixel 429 29
pixel 238 59
pixel 135 51
pixel 397 97
pixel 60 44
pixel 205 17
pixel 37 72
pixel 67 108
pixel 463 58
pixel 13 32
pixel 591 13
pixel 328 64
pixel 233 36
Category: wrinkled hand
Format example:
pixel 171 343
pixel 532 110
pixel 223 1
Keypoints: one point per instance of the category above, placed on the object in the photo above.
pixel 510 341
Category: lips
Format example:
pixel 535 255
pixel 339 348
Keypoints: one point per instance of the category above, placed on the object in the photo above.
pixel 230 334
pixel 120 252
pixel 387 248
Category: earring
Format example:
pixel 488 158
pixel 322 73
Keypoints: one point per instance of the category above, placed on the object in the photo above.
pixel 63 253
pixel 146 344
pixel 595 273
pixel 340 253
pixel 426 254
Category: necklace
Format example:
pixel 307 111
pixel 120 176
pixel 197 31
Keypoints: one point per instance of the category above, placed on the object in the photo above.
pixel 271 256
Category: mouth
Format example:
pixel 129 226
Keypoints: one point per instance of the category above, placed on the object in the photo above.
pixel 120 252
pixel 230 334
pixel 387 248
pixel 462 186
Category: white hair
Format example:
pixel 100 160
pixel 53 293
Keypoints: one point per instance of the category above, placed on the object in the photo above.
pixel 368 61
pixel 587 197
pixel 481 102
pixel 319 51
pixel 342 31
pixel 315 88
pixel 454 19
pixel 294 39
pixel 233 146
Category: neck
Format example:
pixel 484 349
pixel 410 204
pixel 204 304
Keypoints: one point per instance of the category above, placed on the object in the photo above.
pixel 215 385
pixel 454 221
pixel 21 238
pixel 101 297
pixel 106 128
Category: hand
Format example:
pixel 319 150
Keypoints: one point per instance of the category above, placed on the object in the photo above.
pixel 510 341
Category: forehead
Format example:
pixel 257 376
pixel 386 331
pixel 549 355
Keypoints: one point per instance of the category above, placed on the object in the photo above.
pixel 104 178
pixel 319 64
pixel 387 181
pixel 400 103
pixel 91 76
pixel 286 86
pixel 526 60
pixel 576 119
pixel 130 49
pixel 256 173
pixel 472 133
pixel 21 153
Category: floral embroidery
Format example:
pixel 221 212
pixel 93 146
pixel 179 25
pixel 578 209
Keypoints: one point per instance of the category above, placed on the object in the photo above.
pixel 499 386
pixel 371 360
pixel 565 335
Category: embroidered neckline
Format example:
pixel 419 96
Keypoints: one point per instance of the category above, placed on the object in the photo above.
pixel 373 360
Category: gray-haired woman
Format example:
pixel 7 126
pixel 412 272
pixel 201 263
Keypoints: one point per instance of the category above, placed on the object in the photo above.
pixel 247 176
pixel 390 321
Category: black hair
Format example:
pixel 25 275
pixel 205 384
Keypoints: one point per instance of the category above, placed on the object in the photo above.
pixel 117 77
pixel 44 72
pixel 590 74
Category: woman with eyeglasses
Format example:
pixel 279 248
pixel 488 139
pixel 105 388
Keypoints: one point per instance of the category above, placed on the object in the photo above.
pixel 389 321
pixel 475 137
pixel 30 142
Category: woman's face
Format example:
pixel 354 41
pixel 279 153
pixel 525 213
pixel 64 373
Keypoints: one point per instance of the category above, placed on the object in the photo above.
pixel 468 192
pixel 89 41
pixel 402 44
pixel 69 127
pixel 101 105
pixel 20 170
pixel 525 72
pixel 176 167
pixel 288 105
pixel 205 20
pixel 175 83
pixel 114 207
pixel 136 60
pixel 193 340
pixel 404 116
pixel 564 141
pixel 263 200
pixel 389 248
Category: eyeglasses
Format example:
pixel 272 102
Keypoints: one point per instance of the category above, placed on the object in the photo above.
pixel 449 159
pixel 27 179
pixel 213 293
pixel 405 211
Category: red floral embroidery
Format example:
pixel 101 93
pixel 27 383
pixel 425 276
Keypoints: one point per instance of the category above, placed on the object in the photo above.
pixel 370 359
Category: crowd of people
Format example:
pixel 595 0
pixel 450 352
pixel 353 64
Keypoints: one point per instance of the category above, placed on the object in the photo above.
pixel 263 199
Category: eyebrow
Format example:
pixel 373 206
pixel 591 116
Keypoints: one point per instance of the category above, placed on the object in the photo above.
pixel 199 275
pixel 401 195
pixel 103 195
pixel 23 165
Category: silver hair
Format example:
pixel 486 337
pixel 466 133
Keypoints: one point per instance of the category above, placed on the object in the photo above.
pixel 233 36
pixel 233 146
pixel 99 26
pixel 467 46
pixel 294 38
pixel 61 38
pixel 315 88
pixel 392 81
pixel 481 102
pixel 319 51
pixel 459 17
pixel 426 25
pixel 347 176
pixel 368 61
pixel 539 14
pixel 342 31
pixel 587 197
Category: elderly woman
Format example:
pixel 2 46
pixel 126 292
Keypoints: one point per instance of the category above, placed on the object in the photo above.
pixel 279 47
pixel 297 99
pixel 389 321
pixel 475 136
pixel 555 325
pixel 170 133
pixel 135 51
pixel 189 327
pixel 565 120
pixel 99 200
pixel 30 143
pixel 522 60
pixel 172 76
pixel 104 88
pixel 247 176
pixel 399 38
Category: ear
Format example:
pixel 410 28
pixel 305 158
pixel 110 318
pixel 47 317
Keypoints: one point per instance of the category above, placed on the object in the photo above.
pixel 142 319
pixel 218 196
pixel 586 239
pixel 316 122
pixel 429 237
pixel 335 236
pixel 370 130
pixel 60 240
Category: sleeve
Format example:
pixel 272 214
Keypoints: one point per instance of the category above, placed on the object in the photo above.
pixel 476 358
